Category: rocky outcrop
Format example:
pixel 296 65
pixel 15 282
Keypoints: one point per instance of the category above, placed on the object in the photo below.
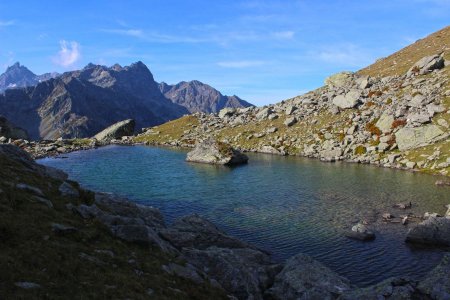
pixel 304 278
pixel 199 97
pixel 213 152
pixel 82 103
pixel 9 131
pixel 116 131
pixel 410 138
pixel 427 64
pixel 433 231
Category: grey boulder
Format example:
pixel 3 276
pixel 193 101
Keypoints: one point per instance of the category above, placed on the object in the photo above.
pixel 433 231
pixel 304 278
pixel 116 131
pixel 213 152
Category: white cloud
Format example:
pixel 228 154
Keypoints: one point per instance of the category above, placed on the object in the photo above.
pixel 129 32
pixel 284 35
pixel 6 23
pixel 240 64
pixel 69 53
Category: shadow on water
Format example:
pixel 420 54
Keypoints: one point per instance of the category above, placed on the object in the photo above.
pixel 285 205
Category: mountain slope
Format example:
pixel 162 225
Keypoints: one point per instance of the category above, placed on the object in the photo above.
pixel 400 121
pixel 399 62
pixel 199 97
pixel 84 102
pixel 20 76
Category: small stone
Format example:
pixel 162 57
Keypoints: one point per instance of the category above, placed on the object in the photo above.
pixel 27 285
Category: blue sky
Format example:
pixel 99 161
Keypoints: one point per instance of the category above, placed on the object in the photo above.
pixel 262 51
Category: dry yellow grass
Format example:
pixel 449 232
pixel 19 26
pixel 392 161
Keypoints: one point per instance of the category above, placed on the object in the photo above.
pixel 399 62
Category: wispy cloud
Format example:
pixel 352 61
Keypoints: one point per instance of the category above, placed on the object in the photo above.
pixel 239 64
pixel 68 54
pixel 284 35
pixel 128 32
pixel 347 55
pixel 7 23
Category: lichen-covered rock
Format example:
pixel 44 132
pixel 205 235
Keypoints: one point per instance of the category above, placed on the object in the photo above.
pixel 304 278
pixel 341 79
pixel 213 152
pixel 410 138
pixel 385 122
pixel 349 100
pixel 116 131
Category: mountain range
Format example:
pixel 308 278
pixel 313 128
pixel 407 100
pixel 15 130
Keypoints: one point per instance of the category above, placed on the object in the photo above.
pixel 20 76
pixel 83 102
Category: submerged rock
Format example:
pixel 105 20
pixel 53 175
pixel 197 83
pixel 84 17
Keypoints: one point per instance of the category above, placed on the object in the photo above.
pixel 116 131
pixel 360 232
pixel 433 231
pixel 213 152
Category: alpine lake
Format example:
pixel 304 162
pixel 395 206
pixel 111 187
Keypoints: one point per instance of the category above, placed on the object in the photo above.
pixel 285 205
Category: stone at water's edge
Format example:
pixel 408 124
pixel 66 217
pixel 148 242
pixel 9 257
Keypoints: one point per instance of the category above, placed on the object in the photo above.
pixel 410 138
pixel 213 152
pixel 434 231
pixel 304 278
pixel 437 282
pixel 116 131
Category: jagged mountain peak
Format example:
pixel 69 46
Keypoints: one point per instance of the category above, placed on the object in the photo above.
pixel 197 96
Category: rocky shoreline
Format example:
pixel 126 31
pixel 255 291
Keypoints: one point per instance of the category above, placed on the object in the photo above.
pixel 213 257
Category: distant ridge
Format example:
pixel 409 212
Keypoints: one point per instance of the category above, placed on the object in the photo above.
pixel 17 76
pixel 200 97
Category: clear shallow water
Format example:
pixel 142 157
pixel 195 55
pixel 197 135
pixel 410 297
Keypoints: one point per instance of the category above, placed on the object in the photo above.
pixel 285 205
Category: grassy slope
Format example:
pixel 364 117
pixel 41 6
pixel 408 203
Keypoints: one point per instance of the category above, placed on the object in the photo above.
pixel 399 62
pixel 74 266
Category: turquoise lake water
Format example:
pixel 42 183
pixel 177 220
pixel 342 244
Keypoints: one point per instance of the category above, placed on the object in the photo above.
pixel 285 205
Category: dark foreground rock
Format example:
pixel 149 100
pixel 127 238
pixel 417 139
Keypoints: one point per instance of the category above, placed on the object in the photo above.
pixel 212 152
pixel 116 131
pixel 437 282
pixel 392 288
pixel 433 231
pixel 304 278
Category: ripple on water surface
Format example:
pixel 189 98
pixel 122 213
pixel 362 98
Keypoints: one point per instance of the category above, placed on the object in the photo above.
pixel 285 205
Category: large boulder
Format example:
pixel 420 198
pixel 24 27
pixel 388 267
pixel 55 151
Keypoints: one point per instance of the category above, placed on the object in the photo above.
pixel 437 283
pixel 410 138
pixel 433 231
pixel 385 122
pixel 343 79
pixel 8 130
pixel 116 131
pixel 304 278
pixel 213 152
pixel 427 64
pixel 244 272
pixel 349 100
